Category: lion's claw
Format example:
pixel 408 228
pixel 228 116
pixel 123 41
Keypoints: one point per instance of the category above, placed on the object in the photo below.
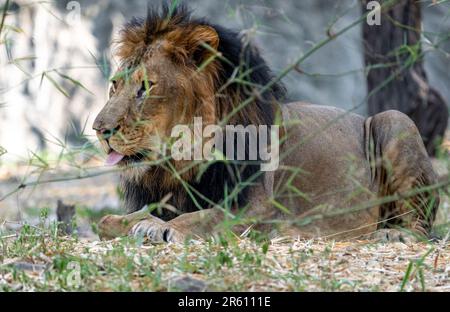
pixel 154 232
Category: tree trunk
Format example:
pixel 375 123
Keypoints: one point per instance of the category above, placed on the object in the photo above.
pixel 394 47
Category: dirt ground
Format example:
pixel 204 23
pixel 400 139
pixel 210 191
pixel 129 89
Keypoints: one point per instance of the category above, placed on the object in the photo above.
pixel 284 265
pixel 243 266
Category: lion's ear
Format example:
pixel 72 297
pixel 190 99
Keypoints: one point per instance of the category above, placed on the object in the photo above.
pixel 202 42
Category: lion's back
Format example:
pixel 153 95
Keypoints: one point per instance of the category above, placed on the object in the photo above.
pixel 326 147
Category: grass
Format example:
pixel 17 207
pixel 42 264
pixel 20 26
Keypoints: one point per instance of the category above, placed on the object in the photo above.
pixel 38 259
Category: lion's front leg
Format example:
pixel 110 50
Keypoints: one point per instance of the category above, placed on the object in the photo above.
pixel 201 224
pixel 153 231
pixel 139 224
pixel 195 225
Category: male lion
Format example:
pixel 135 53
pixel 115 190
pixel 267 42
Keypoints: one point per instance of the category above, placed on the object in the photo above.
pixel 340 175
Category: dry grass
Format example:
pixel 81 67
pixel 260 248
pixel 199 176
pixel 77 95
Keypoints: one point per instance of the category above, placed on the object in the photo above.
pixel 228 265
pixel 34 258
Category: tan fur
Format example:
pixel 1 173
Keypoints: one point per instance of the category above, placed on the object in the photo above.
pixel 345 160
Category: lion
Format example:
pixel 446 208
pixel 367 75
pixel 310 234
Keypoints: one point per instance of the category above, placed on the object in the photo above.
pixel 340 175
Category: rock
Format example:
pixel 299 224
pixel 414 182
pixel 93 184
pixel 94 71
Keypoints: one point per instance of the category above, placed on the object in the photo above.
pixel 187 283
pixel 26 266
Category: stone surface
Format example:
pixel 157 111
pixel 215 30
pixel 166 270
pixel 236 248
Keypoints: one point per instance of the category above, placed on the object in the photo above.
pixel 187 284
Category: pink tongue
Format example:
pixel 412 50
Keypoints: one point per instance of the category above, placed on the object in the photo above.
pixel 113 158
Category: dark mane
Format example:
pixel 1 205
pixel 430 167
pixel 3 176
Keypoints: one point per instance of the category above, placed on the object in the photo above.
pixel 240 57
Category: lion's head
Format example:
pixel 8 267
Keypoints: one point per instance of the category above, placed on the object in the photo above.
pixel 173 68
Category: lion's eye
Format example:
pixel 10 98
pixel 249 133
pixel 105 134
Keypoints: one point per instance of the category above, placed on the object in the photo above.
pixel 113 88
pixel 114 85
pixel 145 85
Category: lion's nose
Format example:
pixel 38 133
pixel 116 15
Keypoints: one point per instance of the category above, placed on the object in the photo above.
pixel 105 132
pixel 102 124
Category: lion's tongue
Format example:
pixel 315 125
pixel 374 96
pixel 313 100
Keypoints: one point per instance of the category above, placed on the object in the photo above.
pixel 113 158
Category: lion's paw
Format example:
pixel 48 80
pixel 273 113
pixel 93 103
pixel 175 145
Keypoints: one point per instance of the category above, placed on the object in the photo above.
pixel 393 235
pixel 153 232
